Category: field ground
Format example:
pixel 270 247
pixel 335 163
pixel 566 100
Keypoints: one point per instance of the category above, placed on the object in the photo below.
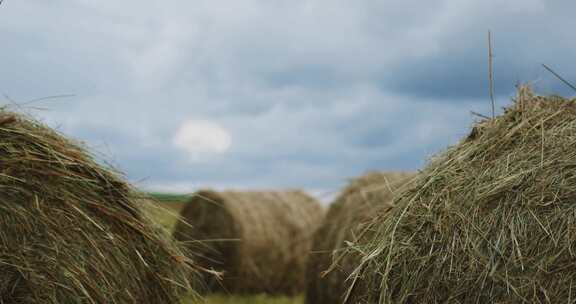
pixel 248 300
pixel 165 212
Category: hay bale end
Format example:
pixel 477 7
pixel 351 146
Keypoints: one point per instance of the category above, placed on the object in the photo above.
pixel 260 241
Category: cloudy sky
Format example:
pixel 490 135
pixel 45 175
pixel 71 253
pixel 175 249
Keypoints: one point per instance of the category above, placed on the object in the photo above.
pixel 184 94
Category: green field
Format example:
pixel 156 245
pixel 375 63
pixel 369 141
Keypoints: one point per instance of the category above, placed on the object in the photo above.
pixel 169 197
pixel 164 210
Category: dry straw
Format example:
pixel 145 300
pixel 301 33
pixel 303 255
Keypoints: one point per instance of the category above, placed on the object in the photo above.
pixel 259 240
pixel 358 202
pixel 490 220
pixel 70 231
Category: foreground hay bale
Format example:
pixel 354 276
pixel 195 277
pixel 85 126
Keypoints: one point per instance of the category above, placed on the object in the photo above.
pixel 259 240
pixel 327 283
pixel 70 231
pixel 490 220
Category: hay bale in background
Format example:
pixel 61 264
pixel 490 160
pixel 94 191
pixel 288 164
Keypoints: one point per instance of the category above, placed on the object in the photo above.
pixel 70 231
pixel 491 220
pixel 260 240
pixel 359 201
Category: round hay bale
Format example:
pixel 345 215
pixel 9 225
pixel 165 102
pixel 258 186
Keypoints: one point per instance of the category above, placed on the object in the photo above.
pixel 260 241
pixel 490 220
pixel 327 283
pixel 71 230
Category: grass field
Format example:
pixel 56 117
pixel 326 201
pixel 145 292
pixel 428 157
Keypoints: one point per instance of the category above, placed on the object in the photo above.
pixel 169 197
pixel 165 212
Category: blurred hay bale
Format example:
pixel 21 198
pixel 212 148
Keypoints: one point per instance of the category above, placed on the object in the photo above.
pixel 259 240
pixel 326 283
pixel 70 229
pixel 490 220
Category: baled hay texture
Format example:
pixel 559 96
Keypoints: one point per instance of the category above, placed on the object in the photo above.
pixel 359 201
pixel 491 220
pixel 70 231
pixel 259 240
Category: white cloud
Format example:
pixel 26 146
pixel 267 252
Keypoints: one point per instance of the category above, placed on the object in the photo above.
pixel 202 138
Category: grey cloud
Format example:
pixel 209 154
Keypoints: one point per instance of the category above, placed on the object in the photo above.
pixel 522 42
pixel 312 92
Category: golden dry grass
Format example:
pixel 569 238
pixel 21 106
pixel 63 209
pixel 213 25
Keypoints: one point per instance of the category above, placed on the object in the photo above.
pixel 490 220
pixel 71 229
